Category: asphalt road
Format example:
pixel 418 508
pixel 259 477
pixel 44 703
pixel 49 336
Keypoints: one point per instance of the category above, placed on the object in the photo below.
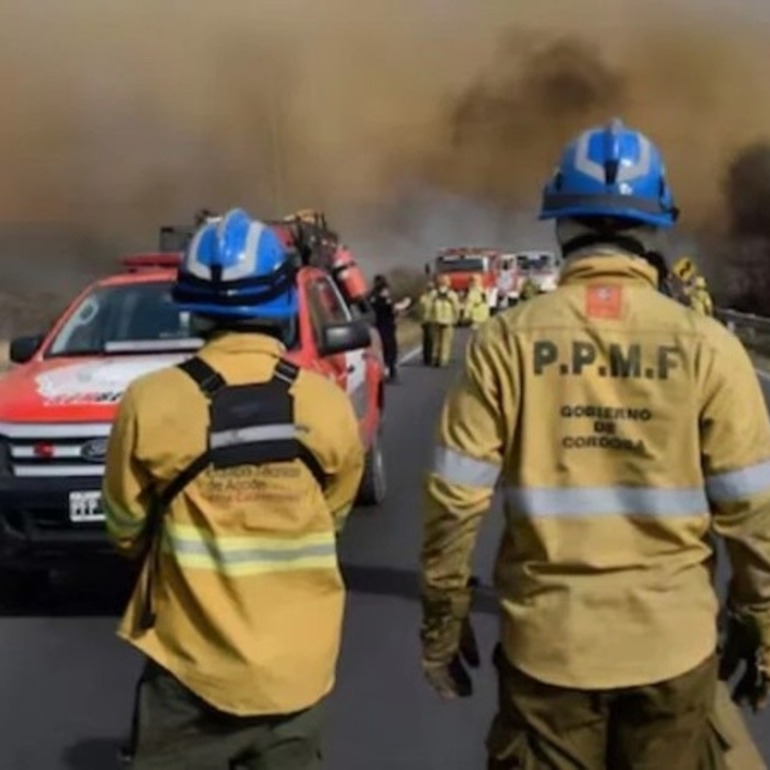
pixel 66 682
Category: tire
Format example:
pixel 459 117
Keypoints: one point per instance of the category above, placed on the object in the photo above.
pixel 373 484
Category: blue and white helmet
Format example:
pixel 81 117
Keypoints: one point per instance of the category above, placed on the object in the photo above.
pixel 236 267
pixel 611 172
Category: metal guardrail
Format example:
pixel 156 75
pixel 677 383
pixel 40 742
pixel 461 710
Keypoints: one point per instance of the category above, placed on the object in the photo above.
pixel 752 330
pixel 736 321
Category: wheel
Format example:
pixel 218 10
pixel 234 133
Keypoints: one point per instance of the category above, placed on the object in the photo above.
pixel 373 484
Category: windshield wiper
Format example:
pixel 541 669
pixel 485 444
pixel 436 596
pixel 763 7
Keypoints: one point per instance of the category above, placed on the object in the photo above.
pixel 126 347
pixel 76 353
pixel 154 346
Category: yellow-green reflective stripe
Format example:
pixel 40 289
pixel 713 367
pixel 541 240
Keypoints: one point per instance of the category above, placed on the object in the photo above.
pixel 340 517
pixel 739 484
pixel 119 520
pixel 239 542
pixel 585 502
pixel 245 555
pixel 206 562
pixel 343 512
pixel 458 468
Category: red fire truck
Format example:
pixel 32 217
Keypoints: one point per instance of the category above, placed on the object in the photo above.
pixel 461 264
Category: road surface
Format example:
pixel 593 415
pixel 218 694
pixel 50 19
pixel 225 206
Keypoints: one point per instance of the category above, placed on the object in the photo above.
pixel 66 682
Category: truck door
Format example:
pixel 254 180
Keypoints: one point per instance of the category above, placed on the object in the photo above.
pixel 326 306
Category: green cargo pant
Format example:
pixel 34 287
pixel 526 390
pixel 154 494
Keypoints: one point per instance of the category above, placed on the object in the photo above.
pixel 176 730
pixel 427 344
pixel 731 746
pixel 664 726
pixel 442 344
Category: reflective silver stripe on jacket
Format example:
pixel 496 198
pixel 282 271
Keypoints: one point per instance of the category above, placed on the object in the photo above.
pixel 221 556
pixel 740 484
pixel 583 502
pixel 458 468
pixel 252 435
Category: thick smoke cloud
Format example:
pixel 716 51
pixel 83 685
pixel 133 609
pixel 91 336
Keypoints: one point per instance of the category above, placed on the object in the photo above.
pixel 747 188
pixel 412 123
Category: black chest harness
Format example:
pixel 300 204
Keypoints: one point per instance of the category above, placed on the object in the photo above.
pixel 248 425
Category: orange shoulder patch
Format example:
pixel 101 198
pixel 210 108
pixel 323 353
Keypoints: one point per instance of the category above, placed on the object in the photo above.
pixel 604 301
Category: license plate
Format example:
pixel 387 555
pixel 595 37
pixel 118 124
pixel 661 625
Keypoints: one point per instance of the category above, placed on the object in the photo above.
pixel 86 506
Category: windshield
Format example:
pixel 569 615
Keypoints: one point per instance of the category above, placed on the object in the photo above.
pixel 461 265
pixel 134 318
pixel 536 261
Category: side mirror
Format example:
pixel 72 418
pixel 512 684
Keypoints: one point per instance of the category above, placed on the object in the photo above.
pixel 23 348
pixel 343 337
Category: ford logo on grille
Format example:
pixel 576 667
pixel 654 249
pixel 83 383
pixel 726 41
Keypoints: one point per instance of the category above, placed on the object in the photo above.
pixel 94 451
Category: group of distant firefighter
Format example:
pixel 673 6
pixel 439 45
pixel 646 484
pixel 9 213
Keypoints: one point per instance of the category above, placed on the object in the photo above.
pixel 441 309
pixel 688 286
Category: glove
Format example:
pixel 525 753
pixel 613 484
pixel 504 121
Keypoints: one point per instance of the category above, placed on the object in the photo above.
pixel 743 645
pixel 444 666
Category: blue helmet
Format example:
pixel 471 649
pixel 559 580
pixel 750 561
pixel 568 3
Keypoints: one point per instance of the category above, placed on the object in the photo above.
pixel 611 172
pixel 236 267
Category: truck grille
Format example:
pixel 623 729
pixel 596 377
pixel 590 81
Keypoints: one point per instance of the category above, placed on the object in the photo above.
pixel 56 450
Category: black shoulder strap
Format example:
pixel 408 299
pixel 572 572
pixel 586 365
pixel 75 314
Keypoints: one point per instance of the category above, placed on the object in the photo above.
pixel 287 372
pixel 207 379
pixel 210 381
pixel 312 464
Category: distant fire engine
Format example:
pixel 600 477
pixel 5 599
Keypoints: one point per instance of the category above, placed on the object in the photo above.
pixel 460 265
pixel 542 267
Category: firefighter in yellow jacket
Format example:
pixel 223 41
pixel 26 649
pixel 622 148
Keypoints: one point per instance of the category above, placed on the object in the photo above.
pixel 231 474
pixel 700 299
pixel 528 289
pixel 731 747
pixel 475 307
pixel 444 315
pixel 424 305
pixel 620 428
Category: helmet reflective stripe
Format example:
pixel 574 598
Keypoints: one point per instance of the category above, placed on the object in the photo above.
pixel 244 266
pixel 626 171
pixel 237 268
pixel 630 171
pixel 610 172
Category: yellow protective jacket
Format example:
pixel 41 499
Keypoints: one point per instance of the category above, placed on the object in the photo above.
pixel 621 428
pixel 700 300
pixel 249 596
pixel 475 307
pixel 445 308
pixel 528 290
pixel 424 305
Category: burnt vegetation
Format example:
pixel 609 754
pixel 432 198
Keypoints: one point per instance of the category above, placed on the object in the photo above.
pixel 745 248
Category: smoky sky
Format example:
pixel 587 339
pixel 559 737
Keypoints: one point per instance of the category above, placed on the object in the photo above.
pixel 411 123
